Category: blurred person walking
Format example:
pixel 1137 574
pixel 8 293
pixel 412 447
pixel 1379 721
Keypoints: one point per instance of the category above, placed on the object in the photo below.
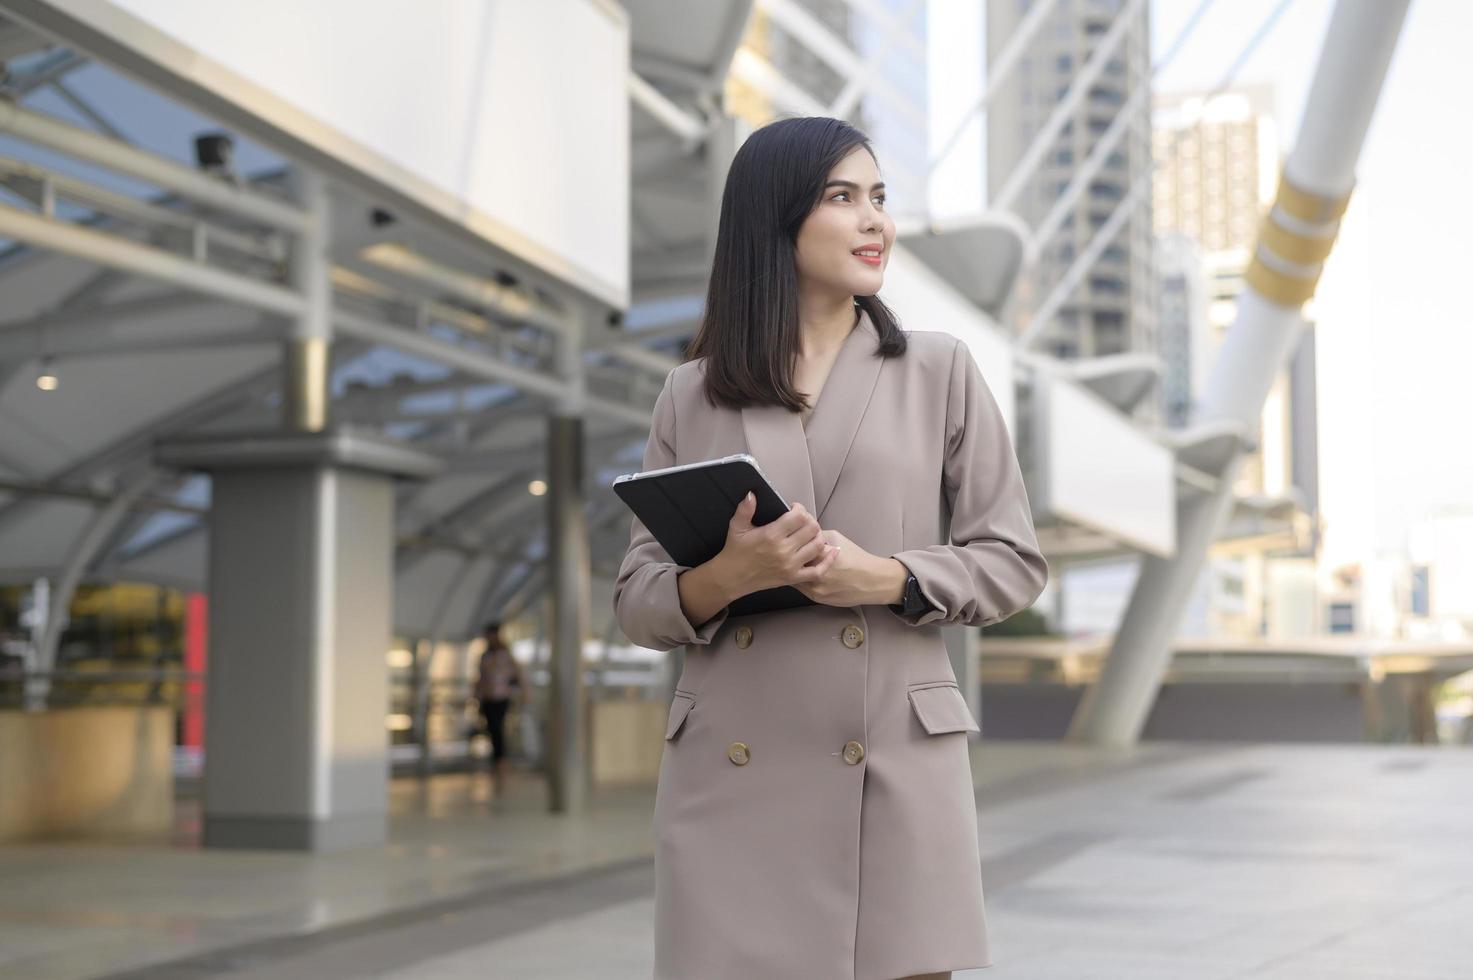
pixel 498 676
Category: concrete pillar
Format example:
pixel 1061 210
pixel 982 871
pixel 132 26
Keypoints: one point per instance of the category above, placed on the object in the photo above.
pixel 301 598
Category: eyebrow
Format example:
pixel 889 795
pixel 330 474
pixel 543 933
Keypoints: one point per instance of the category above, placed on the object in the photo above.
pixel 850 183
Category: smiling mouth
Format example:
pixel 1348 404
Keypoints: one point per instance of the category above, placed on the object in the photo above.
pixel 867 257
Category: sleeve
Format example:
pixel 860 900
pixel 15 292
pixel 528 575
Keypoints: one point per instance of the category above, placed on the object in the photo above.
pixel 993 567
pixel 646 597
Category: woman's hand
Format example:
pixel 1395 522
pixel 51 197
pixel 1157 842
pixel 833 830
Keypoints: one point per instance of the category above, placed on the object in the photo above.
pixel 855 577
pixel 787 551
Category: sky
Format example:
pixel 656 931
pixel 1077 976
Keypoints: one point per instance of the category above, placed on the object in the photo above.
pixel 1395 331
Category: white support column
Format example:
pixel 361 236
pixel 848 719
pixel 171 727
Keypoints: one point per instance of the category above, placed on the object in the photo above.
pixel 307 353
pixel 1295 239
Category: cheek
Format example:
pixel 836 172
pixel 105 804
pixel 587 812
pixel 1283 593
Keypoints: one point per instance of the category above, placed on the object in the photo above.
pixel 819 246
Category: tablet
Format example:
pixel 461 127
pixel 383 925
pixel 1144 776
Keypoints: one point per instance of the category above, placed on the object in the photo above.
pixel 688 509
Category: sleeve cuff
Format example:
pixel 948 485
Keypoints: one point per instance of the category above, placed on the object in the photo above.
pixel 918 563
pixel 669 623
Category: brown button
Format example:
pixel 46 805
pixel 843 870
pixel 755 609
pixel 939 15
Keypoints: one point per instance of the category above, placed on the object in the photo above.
pixel 853 753
pixel 738 752
pixel 744 636
pixel 853 636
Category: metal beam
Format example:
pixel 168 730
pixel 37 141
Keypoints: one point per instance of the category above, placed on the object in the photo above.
pixel 32 181
pixel 690 129
pixel 473 363
pixel 97 341
pixel 142 502
pixel 510 302
pixel 85 108
pixel 838 55
pixel 861 80
pixel 117 252
pixel 113 154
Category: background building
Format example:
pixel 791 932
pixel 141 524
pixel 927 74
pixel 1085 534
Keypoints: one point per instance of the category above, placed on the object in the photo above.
pixel 1185 342
pixel 1043 124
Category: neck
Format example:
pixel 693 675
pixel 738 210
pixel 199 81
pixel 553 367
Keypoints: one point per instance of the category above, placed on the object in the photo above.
pixel 823 324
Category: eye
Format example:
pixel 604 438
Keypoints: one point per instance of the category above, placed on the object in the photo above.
pixel 878 197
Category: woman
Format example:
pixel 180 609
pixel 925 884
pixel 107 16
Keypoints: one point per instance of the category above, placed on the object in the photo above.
pixel 814 816
pixel 498 675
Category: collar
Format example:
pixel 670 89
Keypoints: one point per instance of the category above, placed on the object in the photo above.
pixel 806 465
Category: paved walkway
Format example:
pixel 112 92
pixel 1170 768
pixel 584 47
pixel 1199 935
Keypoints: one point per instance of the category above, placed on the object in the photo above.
pixel 1170 861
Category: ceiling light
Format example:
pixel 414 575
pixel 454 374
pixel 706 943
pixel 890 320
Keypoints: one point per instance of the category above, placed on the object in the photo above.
pixel 46 380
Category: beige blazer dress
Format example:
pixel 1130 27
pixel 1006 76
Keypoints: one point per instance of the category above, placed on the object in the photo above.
pixel 815 816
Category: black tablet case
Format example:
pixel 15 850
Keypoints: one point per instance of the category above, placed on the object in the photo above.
pixel 688 511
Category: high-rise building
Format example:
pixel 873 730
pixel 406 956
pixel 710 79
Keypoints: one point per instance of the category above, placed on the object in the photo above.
pixel 1182 326
pixel 1112 309
pixel 1216 161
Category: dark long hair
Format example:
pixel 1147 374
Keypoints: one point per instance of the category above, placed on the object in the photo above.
pixel 749 330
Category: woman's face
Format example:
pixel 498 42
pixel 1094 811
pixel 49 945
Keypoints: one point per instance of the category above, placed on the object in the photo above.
pixel 850 217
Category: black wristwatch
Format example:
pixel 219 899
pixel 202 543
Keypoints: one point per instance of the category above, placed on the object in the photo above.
pixel 912 602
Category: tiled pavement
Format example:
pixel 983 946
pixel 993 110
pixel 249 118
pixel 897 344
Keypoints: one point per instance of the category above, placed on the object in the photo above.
pixel 1180 860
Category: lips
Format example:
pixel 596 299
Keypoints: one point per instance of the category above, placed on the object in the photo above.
pixel 866 256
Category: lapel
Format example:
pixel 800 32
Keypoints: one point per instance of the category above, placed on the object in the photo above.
pixel 805 465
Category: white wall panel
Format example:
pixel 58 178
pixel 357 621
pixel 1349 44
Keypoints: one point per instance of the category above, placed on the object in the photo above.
pixel 507 116
pixel 1099 471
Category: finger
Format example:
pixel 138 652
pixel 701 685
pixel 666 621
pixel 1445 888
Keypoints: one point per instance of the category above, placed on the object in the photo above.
pixel 790 521
pixel 816 571
pixel 808 552
pixel 804 532
pixel 744 509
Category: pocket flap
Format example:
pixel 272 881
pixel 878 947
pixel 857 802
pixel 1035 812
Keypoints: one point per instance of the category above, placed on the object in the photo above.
pixel 679 707
pixel 941 708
